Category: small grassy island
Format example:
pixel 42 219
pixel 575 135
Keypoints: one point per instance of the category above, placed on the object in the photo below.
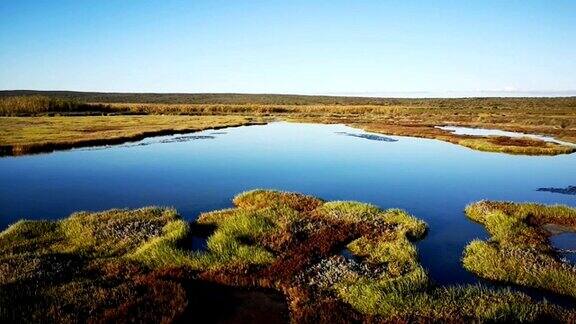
pixel 294 257
pixel 519 249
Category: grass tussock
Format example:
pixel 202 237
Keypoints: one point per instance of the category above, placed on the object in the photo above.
pixel 384 281
pixel 79 269
pixel 519 250
pixel 130 264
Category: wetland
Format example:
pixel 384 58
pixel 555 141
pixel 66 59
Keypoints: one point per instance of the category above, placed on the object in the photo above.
pixel 430 181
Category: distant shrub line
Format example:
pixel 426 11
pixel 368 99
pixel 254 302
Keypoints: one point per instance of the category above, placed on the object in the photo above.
pixel 286 99
pixel 33 105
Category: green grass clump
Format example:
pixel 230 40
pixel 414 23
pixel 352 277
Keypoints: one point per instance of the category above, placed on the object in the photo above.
pixel 258 199
pixel 409 225
pixel 451 304
pixel 393 252
pixel 163 250
pixel 519 250
pixel 112 233
pixel 81 268
pixel 115 232
pixel 226 242
pixel 226 246
pixel 238 237
pixel 534 214
pixel 350 211
pixel 399 254
pixel 382 296
pixel 126 265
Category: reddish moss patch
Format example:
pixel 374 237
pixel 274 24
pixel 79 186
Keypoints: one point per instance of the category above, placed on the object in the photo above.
pixel 514 141
pixel 275 257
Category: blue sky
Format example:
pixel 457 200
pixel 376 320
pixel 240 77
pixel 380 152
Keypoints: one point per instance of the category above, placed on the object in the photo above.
pixel 310 47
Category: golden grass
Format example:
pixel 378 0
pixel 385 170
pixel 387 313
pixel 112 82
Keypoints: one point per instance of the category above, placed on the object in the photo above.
pixel 548 116
pixel 36 104
pixel 22 135
pixel 408 117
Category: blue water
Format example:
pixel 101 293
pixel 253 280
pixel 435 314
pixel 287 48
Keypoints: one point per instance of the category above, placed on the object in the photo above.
pixel 431 179
pixel 565 243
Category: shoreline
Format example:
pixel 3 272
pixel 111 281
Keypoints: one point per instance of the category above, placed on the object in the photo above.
pixel 494 144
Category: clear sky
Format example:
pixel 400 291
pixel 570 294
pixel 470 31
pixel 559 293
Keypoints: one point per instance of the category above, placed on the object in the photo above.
pixel 310 47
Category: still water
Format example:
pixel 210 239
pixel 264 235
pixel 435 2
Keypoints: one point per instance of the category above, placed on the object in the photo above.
pixel 496 132
pixel 431 179
pixel 565 244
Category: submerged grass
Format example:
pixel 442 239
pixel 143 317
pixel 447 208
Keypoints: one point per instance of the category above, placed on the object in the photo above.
pixel 519 250
pixel 129 264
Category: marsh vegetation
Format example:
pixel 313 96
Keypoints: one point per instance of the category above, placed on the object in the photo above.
pixel 112 265
pixel 24 135
pixel 408 117
pixel 519 249
pixel 41 105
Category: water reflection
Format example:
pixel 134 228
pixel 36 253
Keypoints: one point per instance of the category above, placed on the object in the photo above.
pixel 431 179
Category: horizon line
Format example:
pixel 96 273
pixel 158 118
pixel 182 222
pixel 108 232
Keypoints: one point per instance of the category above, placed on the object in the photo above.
pixel 421 94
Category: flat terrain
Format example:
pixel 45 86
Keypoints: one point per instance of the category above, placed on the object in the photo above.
pixel 21 135
pixel 554 117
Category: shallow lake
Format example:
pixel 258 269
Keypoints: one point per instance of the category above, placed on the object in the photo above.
pixel 431 179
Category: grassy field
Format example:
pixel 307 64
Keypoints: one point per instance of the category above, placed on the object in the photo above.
pixel 287 99
pixel 23 135
pixel 119 265
pixel 519 250
pixel 36 104
pixel 408 117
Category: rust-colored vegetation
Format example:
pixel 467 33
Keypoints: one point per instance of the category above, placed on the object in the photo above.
pixel 276 257
pixel 408 117
pixel 510 141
